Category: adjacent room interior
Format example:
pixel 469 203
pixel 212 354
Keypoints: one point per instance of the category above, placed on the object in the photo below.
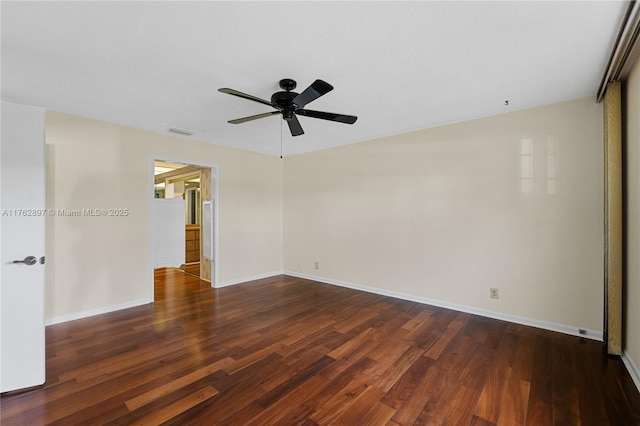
pixel 183 240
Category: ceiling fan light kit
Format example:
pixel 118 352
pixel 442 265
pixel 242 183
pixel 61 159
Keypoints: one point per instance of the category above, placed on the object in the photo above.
pixel 291 104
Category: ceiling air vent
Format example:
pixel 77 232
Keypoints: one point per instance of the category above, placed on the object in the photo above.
pixel 181 132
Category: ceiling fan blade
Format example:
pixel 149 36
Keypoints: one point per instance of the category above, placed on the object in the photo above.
pixel 294 126
pixel 245 96
pixel 253 117
pixel 311 93
pixel 340 118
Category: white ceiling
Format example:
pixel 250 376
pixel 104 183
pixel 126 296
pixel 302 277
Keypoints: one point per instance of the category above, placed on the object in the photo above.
pixel 398 66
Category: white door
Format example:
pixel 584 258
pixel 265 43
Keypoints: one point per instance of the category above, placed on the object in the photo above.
pixel 168 232
pixel 22 202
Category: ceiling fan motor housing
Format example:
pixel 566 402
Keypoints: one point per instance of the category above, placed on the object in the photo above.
pixel 284 101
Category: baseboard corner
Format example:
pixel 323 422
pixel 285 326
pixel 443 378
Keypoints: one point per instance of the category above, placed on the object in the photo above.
pixel 633 370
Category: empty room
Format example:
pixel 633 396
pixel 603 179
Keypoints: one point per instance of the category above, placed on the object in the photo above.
pixel 320 212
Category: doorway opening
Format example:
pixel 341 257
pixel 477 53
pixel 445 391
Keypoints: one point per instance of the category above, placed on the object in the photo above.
pixel 184 219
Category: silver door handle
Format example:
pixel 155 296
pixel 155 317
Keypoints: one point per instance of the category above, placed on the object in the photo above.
pixel 29 260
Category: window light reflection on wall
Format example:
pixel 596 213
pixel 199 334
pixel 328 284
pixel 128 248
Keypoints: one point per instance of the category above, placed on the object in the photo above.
pixel 552 164
pixel 526 166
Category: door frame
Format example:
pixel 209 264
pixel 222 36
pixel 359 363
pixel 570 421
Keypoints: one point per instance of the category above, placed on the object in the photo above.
pixel 215 195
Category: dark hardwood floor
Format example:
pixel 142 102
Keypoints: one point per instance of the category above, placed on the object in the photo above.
pixel 287 351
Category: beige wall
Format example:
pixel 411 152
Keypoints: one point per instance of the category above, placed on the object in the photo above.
pixel 97 263
pixel 446 213
pixel 631 314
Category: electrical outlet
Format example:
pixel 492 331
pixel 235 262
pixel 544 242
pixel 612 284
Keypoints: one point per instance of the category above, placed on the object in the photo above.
pixel 317 265
pixel 493 293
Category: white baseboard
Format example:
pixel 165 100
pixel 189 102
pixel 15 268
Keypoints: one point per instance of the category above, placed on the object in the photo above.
pixel 247 279
pixel 113 308
pixel 633 370
pixel 100 311
pixel 561 328
pixel 590 334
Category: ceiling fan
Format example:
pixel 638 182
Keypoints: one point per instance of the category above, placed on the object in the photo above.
pixel 290 104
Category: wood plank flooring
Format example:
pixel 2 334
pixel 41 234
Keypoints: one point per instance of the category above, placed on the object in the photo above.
pixel 289 351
